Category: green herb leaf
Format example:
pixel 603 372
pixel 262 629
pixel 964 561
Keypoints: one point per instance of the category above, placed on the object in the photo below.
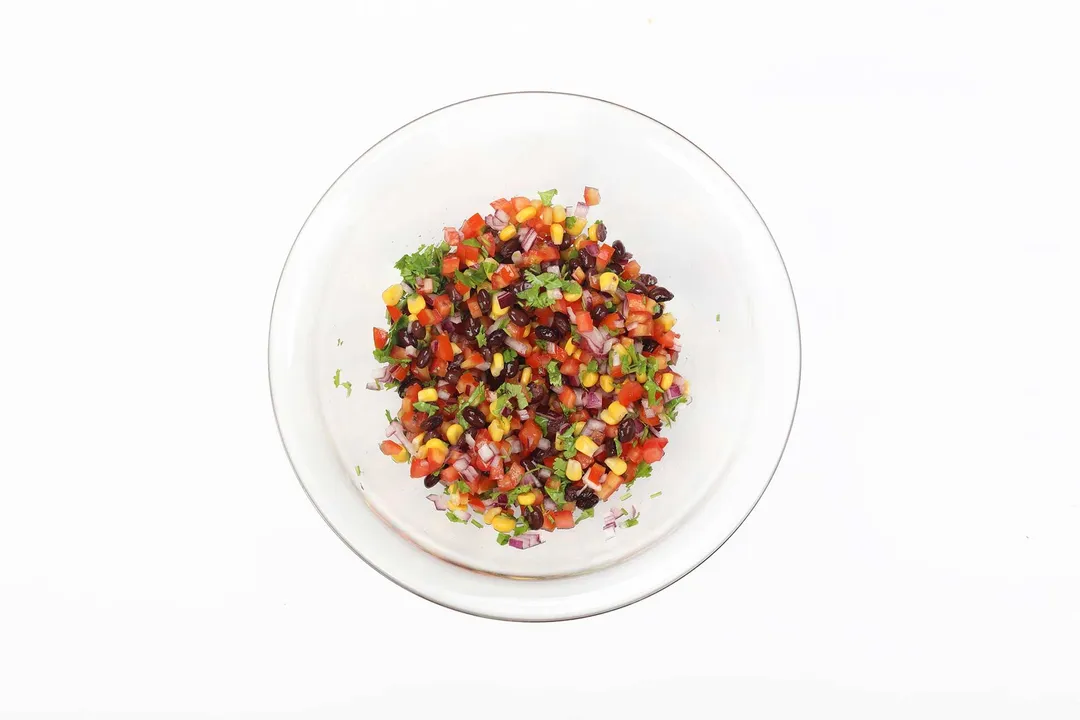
pixel 425 262
pixel 522 527
pixel 507 391
pixel 473 277
pixel 384 354
pixel 542 422
pixel 571 222
pixel 657 494
pixel 472 242
pixel 554 376
pixel 452 517
pixel 559 467
pixel 630 523
pixel 585 514
pixel 348 388
pixel 477 524
pixel 626 285
pixel 592 366
pixel 567 437
pixel 425 407
pixel 358 471
pixel 477 395
pixel 546 196
pixel 557 495
pixel 509 354
pixel 644 470
pixel 512 496
pixel 337 378
pixel 389 417
pixel 502 538
pixel 670 413
pixel 459 486
pixel 339 342
pixel 481 337
pixel 652 392
pixel 618 447
pixel 717 317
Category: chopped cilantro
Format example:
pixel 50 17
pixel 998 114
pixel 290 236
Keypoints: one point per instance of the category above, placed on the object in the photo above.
pixel 626 496
pixel 477 395
pixel 490 266
pixel 557 495
pixel 567 438
pixel 472 242
pixel 425 407
pixel 546 196
pixel 554 376
pixel 348 388
pixel 585 514
pixel 618 447
pixel 643 470
pixel 571 222
pixel 384 354
pixel 542 422
pixel 651 390
pixel 670 413
pixel 459 486
pixel 522 527
pixel 630 523
pixel 559 467
pixel 592 366
pixel 425 262
pixel 508 355
pixel 477 524
pixel 626 285
pixel 512 496
pixel 452 517
pixel 507 391
pixel 502 538
pixel 717 317
pixel 657 494
pixel 481 337
pixel 339 342
pixel 337 378
pixel 472 277
pixel 358 471
pixel 389 417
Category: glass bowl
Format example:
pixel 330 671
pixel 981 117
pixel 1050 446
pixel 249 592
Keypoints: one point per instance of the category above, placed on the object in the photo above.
pixel 685 220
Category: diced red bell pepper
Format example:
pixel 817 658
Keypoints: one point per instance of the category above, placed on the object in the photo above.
pixel 629 392
pixel 427 317
pixel 450 265
pixel 584 322
pixel 506 275
pixel 444 349
pixel 603 256
pixel 381 338
pixel 389 447
pixel 567 397
pixel 563 519
pixel 472 226
pixel 570 366
pixel 393 312
pixel 469 255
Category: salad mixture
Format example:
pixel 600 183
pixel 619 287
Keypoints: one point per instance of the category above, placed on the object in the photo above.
pixel 535 363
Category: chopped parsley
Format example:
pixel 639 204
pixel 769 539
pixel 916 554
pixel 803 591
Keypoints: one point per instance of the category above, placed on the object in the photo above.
pixel 425 407
pixel 477 396
pixel 541 421
pixel 502 538
pixel 657 494
pixel 626 285
pixel 717 317
pixel 389 417
pixel 546 196
pixel 559 467
pixel 618 447
pixel 481 337
pixel 472 242
pixel 348 388
pixel 458 486
pixel 472 277
pixel 424 263
pixel 651 389
pixel 554 376
pixel 643 470
pixel 509 354
pixel 670 413
pixel 585 514
pixel 533 296
pixel 337 378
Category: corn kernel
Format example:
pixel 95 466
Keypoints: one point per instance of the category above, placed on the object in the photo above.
pixel 607 383
pixel 457 506
pixel 526 498
pixel 545 216
pixel 557 232
pixel 577 354
pixel 453 433
pixel 497 364
pixel 606 417
pixel 497 310
pixel 537 204
pixel 590 379
pixel 503 523
pixel 573 470
pixel 505 424
pixel 507 232
pixel 455 499
pixel 402 456
pixel 558 214
pixel 428 395
pixel 578 426
pixel 392 295
pixel 490 514
pixel 665 381
pixel 642 377
pixel 666 321
pixel 496 430
pixel 456 348
pixel 412 318
pixel 570 296
pixel 559 443
pixel 570 347
pixel 436 444
pixel 418 441
pixel 592 232
pixel 526 375
pixel 617 465
pixel 585 445
pixel 416 304
pixel 526 213
pixel 616 411
pixel 609 281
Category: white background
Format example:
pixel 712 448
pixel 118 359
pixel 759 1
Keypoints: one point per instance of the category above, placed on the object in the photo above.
pixel 917 552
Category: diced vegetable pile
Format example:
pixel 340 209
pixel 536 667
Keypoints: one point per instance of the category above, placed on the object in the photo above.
pixel 535 363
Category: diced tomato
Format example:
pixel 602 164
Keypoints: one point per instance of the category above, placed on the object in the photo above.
pixel 512 477
pixel 472 226
pixel 537 360
pixel 469 255
pixel 504 276
pixel 548 251
pixel 481 484
pixel 427 317
pixel 450 265
pixel 643 329
pixel 567 397
pixel 389 447
pixel 472 360
pixel 611 321
pixel 579 416
pixel 487 240
pixel 653 449
pixel 596 472
pixel 515 331
pixel 412 392
pixel 503 204
pixel 529 436
pixel 559 353
pixel 638 316
pixel 584 322
pixel 559 306
pixel 570 366
pixel 422 374
pixel 629 392
pixel 422 468
pixel 451 236
pixel 564 519
pixel 497 469
pixel 439 367
pixel 636 302
pixel 520 203
pixel 611 484
pixel 462 289
pixel 443 348
pixel 631 454
pixel 393 312
pixel 466 383
pixel 398 353
pixel 474 307
pixel 603 256
pixel 381 338
pixel 667 339
pixel 399 373
pixel 592 196
pixel 443 306
pixel 549 522
pixel 449 474
pixel 631 270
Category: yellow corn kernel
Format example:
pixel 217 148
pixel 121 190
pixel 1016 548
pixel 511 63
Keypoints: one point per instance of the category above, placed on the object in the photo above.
pixel 607 383
pixel 590 379
pixel 456 348
pixel 428 395
pixel 411 317
pixel 416 304
pixel 616 411
pixel 592 232
pixel 559 443
pixel 617 465
pixel 496 430
pixel 577 426
pixel 573 470
pixel 453 433
pixel 569 296
pixel 642 377
pixel 503 523
pixel 606 417
pixel 686 388
pixel 666 321
pixel 665 381
pixel 455 499
pixel 609 282
pixel 569 347
pixel 526 498
pixel 557 234
pixel 392 295
pixel 497 364
pixel 402 456
pixel 526 375
pixel 505 424
pixel 558 214
pixel 497 310
pixel 526 213
pixel 577 354
pixel 507 232
pixel 418 441
pixel 545 216
pixel 584 444
pixel 537 204
pixel 490 514
pixel 436 444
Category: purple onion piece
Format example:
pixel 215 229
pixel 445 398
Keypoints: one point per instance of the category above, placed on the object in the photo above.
pixel 517 346
pixel 593 401
pixel 506 299
pixel 442 502
pixel 592 249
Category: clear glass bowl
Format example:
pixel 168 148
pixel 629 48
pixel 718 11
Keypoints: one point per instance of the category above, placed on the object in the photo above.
pixel 685 220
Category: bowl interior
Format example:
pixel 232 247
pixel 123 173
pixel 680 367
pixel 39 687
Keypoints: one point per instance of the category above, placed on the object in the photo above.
pixel 684 220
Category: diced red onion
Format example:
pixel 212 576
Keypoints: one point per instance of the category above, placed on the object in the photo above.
pixel 527 239
pixel 677 345
pixel 550 505
pixel 515 445
pixel 400 439
pixel 429 285
pixel 463 515
pixel 497 220
pixel 410 350
pixel 461 463
pixel 443 395
pixel 673 392
pixel 455 318
pixel 470 440
pixel 406 288
pixel 483 366
pixel 394 428
pixel 579 395
pixel 485 452
pixel 526 541
pixel 552 269
pixel 517 346
pixel 674 360
pixel 442 502
pixel 653 429
pixel 595 429
pixel 586 299
pixel 594 341
pixel 506 299
pixel 571 314
pixel 542 472
pixel 554 293
pixel 592 401
pixel 581 211
pixel 591 249
pixel 616 361
pixel 609 343
pixel 523 414
pixel 529 479
pixel 470 473
pixel 516 257
pixel 625 309
pixel 373 386
pixel 447 325
pixel 646 410
pixel 544 444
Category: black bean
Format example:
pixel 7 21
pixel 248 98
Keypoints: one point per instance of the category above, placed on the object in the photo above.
pixel 507 410
pixel 557 424
pixel 609 447
pixel 417 330
pixel 573 490
pixel 516 287
pixel 545 333
pixel 534 517
pixel 474 417
pixel 405 385
pixel 455 296
pixel 494 381
pixel 560 323
pixel 519 317
pixel 626 430
pixel 506 251
pixel 658 310
pixel 649 280
pixel 497 340
pixel 590 261
pixel 403 339
pixel 429 300
pixel 487 353
pixel 502 500
pixel 661 294
pixel 484 299
pixel 538 392
pixel 529 463
pixel 619 248
pixel 615 266
pixel 453 374
pixel 648 344
pixel 431 481
pixel 511 368
pixel 575 263
pixel 639 288
pixel 423 358
pixel 587 499
pixel 601 232
pixel 540 454
pixel 598 313
pixel 432 422
pixel 472 326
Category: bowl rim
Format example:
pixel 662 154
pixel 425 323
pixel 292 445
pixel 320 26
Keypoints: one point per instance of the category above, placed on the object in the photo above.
pixel 772 473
